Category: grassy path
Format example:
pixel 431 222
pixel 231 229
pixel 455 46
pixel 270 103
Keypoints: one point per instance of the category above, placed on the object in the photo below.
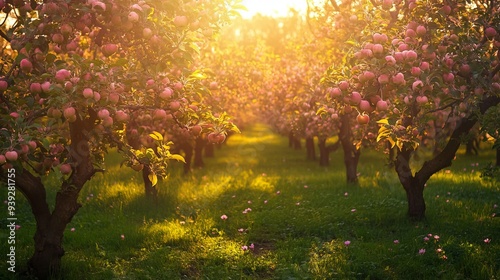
pixel 259 210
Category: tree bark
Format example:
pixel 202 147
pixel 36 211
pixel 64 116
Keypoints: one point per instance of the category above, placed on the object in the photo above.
pixel 351 153
pixel 198 152
pixel 413 187
pixel 209 150
pixel 188 155
pixel 150 190
pixel 310 150
pixel 46 260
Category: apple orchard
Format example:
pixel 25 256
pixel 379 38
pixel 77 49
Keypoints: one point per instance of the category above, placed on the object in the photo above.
pixel 154 79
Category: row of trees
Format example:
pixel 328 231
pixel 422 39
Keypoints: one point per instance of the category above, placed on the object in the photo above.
pixel 78 78
pixel 397 75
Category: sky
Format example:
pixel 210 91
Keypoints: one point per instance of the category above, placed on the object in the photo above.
pixel 272 7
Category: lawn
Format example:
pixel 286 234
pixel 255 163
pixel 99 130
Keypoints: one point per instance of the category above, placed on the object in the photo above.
pixel 260 210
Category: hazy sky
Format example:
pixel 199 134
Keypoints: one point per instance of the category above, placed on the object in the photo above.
pixel 271 7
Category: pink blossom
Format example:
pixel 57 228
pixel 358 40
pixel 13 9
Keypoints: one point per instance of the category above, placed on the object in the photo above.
pixel 72 229
pixel 421 251
pixel 249 202
pixel 278 192
pixel 244 247
pixel 396 241
pixel 306 186
pixel 353 210
pixel 487 240
pixel 18 227
pixel 122 236
pixel 251 246
pixel 436 237
pixel 426 239
pixel 223 217
pixel 347 243
pixel 346 194
pixel 241 230
pixel 265 201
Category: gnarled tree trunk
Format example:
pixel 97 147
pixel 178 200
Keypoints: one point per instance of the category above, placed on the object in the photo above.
pixel 46 259
pixel 198 152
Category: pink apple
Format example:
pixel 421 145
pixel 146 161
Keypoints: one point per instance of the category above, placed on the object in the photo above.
pixel 121 116
pixel 422 99
pixel 69 112
pixel 448 77
pixel 344 85
pixel 109 49
pixel 398 79
pixel 26 65
pixel 35 88
pixel 61 75
pixel 421 30
pixel 490 32
pixel 335 92
pixel 11 155
pixel 355 98
pixel 382 105
pixel 3 85
pixel 2 159
pixel 175 105
pixel 133 17
pixel 364 105
pixel 166 93
pixel 147 33
pixel 159 114
pixel 58 38
pixel 180 21
pixel 416 71
pixel 103 113
pixel 65 168
pixel 88 93
pixel 107 121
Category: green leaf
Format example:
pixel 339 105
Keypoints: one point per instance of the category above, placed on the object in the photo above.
pixel 177 157
pixel 156 136
pixel 153 178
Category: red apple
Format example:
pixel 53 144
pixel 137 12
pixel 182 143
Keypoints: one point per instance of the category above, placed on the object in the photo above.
pixel 490 32
pixel 2 159
pixel 3 85
pixel 382 105
pixel 65 168
pixel 363 118
pixel 180 21
pixel 109 49
pixel 11 155
pixel 26 65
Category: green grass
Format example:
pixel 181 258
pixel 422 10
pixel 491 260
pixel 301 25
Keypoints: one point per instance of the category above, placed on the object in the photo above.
pixel 301 215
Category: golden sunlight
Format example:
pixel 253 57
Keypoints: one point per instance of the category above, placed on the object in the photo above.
pixel 274 8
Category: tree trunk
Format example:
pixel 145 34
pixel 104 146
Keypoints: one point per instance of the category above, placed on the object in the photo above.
pixel 324 153
pixel 351 153
pixel 310 150
pixel 209 150
pixel 46 260
pixel 150 190
pixel 188 156
pixel 198 152
pixel 413 187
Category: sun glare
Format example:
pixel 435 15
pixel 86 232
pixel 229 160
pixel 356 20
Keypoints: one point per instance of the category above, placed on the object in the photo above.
pixel 274 8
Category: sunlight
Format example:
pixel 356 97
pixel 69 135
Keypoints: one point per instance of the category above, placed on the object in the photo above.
pixel 275 8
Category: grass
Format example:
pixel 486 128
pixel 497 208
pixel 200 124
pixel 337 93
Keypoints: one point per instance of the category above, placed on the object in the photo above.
pixel 296 214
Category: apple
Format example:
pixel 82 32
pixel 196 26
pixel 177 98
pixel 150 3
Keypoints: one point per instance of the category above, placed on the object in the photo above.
pixel 446 10
pixel 382 105
pixel 109 49
pixel 159 114
pixel 147 33
pixel 3 85
pixel 216 138
pixel 61 75
pixel 175 105
pixel 65 168
pixel 364 105
pixel 103 113
pixel 107 121
pixel 335 92
pixel 213 85
pixel 344 85
pixel 398 79
pixel 113 97
pixel 121 116
pixel 88 93
pixel 2 159
pixel 448 77
pixel 421 30
pixel 69 112
pixel 133 17
pixel 355 98
pixel 11 155
pixel 422 99
pixel 26 65
pixel 181 21
pixel 490 32
pixel 195 130
pixel 363 118
pixel 58 38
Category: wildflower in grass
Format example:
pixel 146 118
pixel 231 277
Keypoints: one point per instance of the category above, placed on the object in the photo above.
pixel 353 210
pixel 223 217
pixel 251 247
pixel 264 174
pixel 421 251
pixel 297 203
pixel 241 230
pixel 247 210
pixel 444 257
pixel 447 201
pixel 72 229
pixel 436 237
pixel 278 192
pixel 306 186
pixel 487 241
pixel 439 250
pixel 346 194
pixel 249 202
pixel 233 196
pixel 437 196
pixel 182 222
pixel 347 243
pixel 265 201
pixel 122 236
pixel 495 206
pixel 18 227
pixel 447 171
pixel 426 239
pixel 244 247
pixel 396 241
